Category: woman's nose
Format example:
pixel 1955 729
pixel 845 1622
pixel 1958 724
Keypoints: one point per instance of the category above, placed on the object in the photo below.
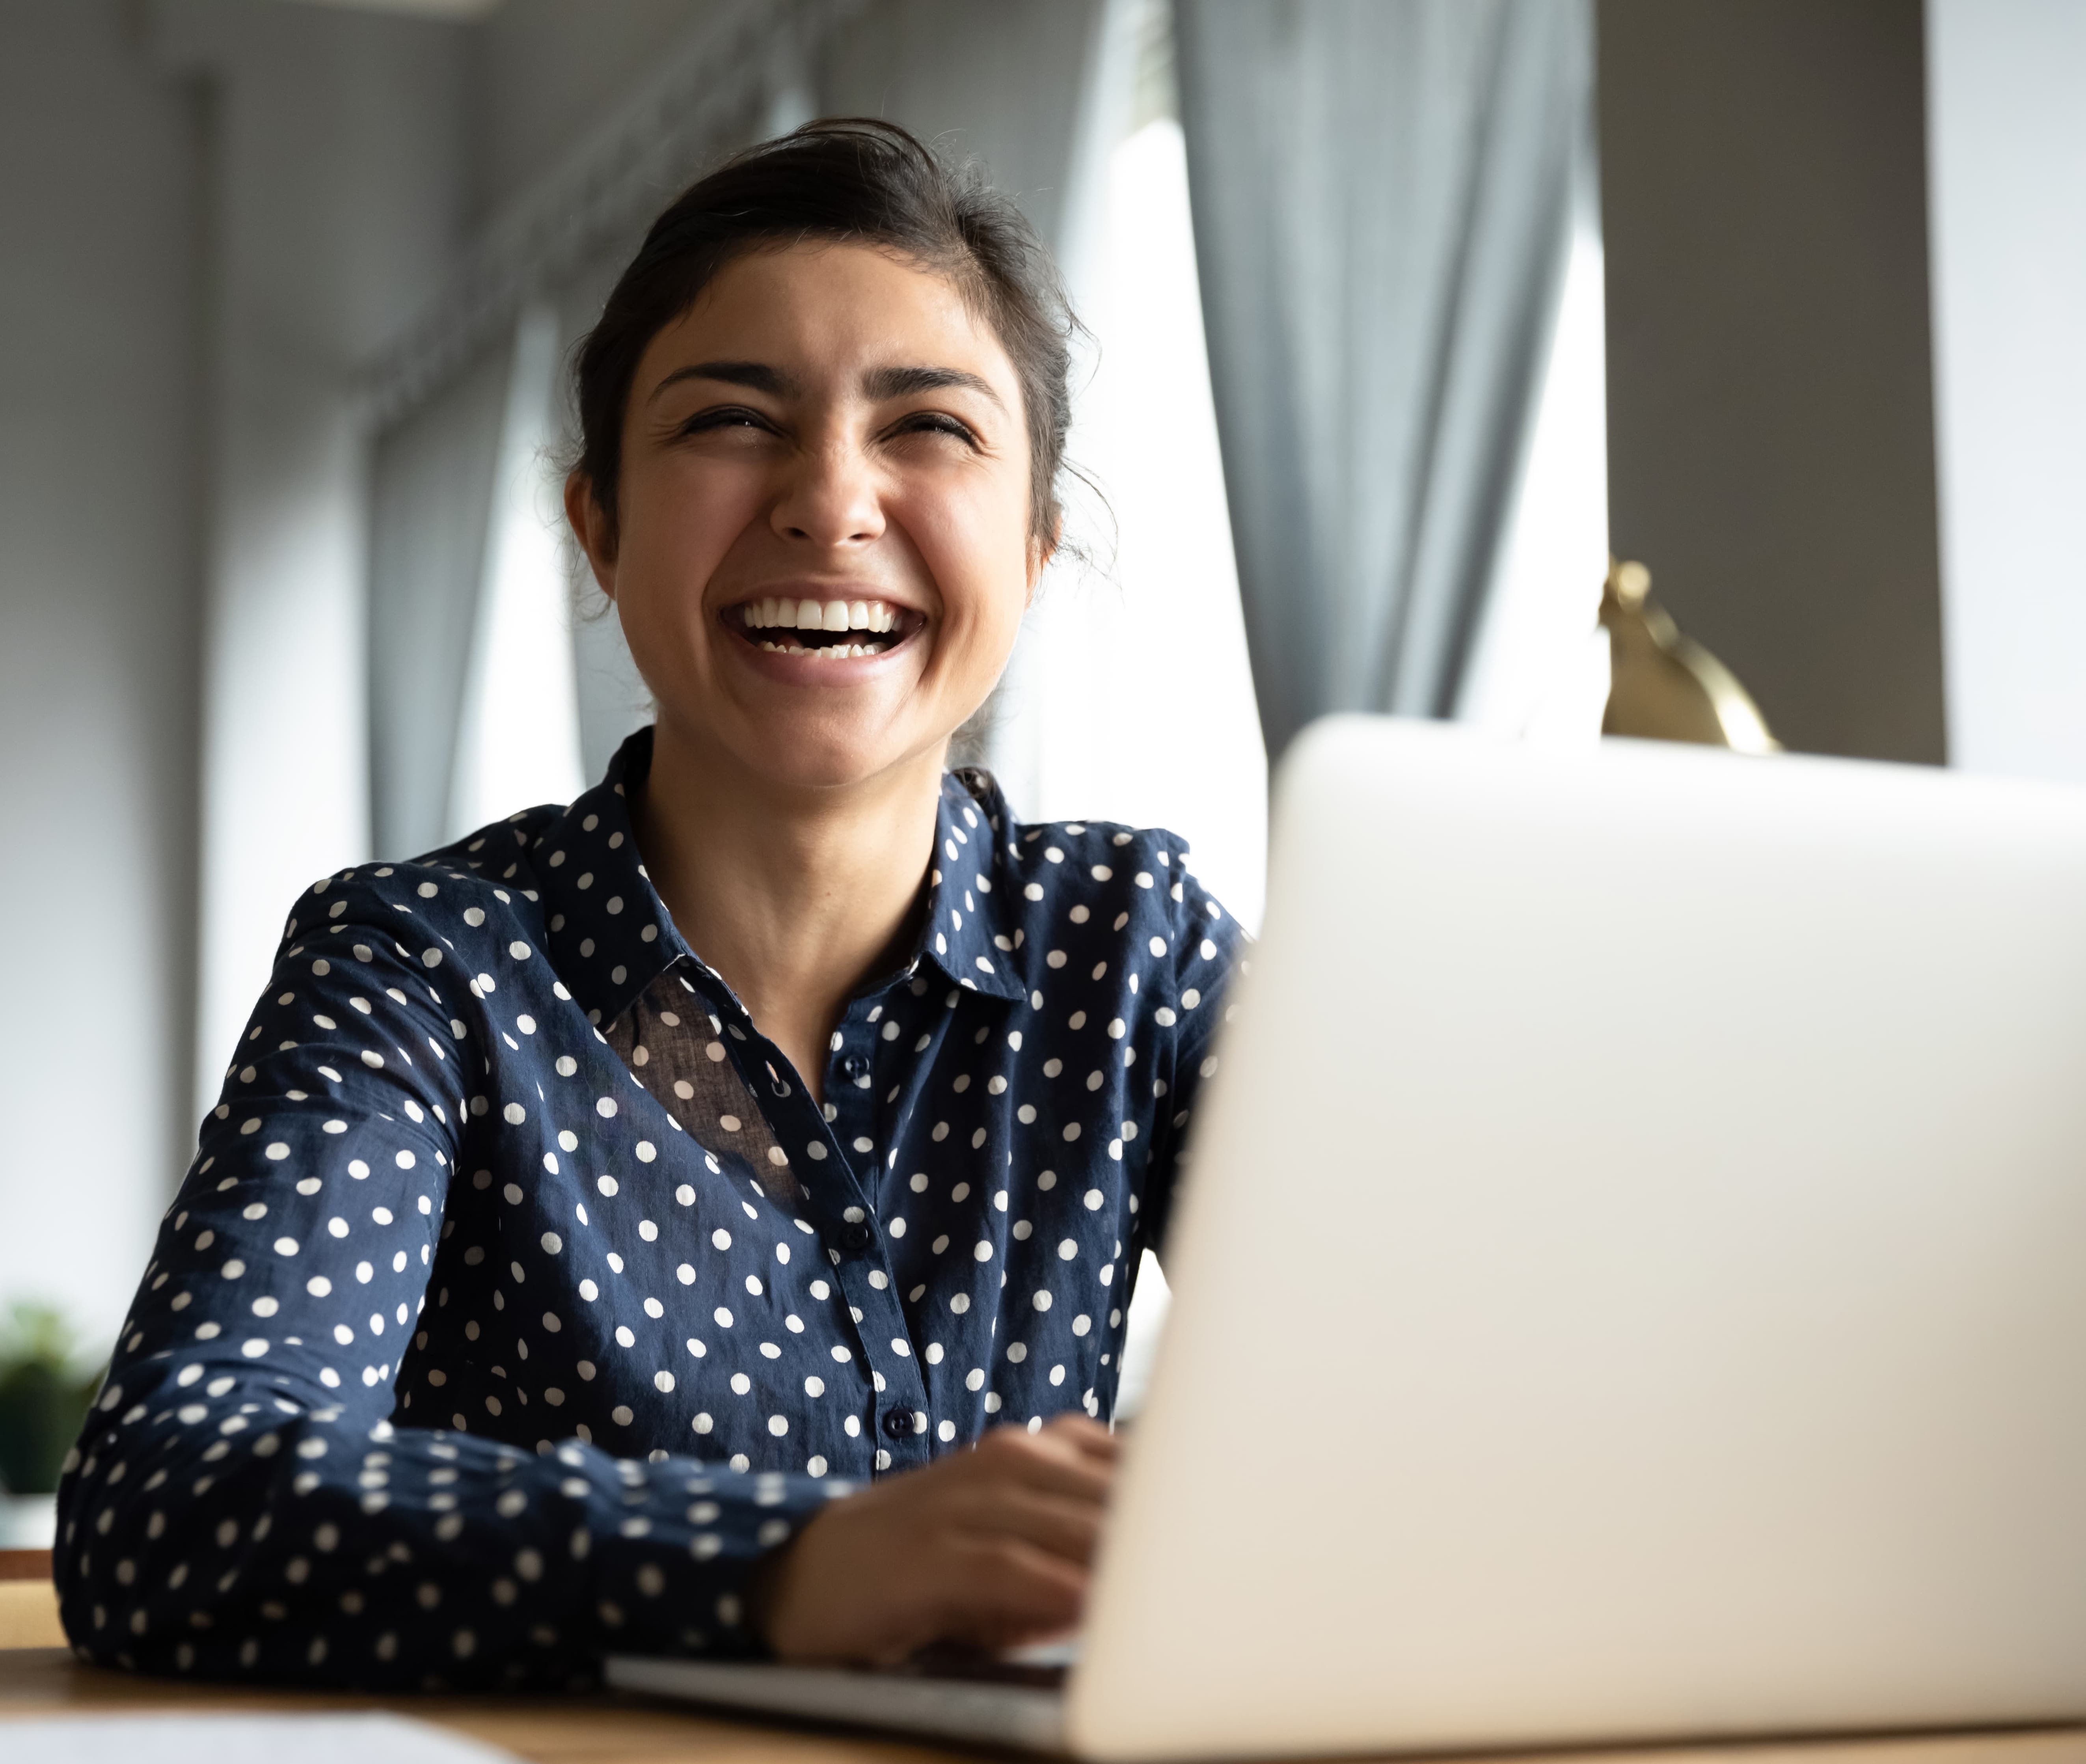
pixel 830 498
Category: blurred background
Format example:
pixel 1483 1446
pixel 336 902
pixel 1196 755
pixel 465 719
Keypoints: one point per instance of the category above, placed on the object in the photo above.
pixel 1406 314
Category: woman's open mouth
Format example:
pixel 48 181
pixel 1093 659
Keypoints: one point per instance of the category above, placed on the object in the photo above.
pixel 833 628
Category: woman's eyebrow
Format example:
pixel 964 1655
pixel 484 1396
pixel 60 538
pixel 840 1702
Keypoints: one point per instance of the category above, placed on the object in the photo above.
pixel 755 376
pixel 903 382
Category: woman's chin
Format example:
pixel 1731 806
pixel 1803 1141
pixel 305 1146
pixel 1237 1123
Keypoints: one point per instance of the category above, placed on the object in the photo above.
pixel 798 761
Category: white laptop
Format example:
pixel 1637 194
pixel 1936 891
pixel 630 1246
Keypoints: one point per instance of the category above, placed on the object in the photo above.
pixel 1631 1285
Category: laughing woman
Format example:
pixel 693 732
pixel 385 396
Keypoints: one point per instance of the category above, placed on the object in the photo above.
pixel 702 1217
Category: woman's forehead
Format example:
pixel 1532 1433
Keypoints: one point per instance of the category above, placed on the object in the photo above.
pixel 816 311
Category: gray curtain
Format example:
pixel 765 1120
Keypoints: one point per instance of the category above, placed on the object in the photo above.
pixel 1382 191
pixel 431 501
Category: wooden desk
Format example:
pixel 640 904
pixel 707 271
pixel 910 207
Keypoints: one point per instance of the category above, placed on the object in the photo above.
pixel 607 1729
pixel 561 1730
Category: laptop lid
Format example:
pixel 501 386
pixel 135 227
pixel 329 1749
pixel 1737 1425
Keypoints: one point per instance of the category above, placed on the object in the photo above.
pixel 1631 1281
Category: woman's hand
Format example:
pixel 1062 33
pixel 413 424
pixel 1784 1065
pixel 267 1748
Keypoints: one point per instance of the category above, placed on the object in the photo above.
pixel 989 1548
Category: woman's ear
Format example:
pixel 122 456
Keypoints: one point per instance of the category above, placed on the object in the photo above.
pixel 591 526
pixel 1041 549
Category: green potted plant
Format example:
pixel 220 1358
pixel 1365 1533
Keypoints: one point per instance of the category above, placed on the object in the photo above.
pixel 43 1397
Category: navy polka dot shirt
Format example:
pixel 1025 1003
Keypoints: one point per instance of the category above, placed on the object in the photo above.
pixel 519 1298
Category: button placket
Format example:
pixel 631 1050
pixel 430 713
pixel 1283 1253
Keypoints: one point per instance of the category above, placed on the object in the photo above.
pixel 861 1253
pixel 850 1091
pixel 831 1189
pixel 837 1201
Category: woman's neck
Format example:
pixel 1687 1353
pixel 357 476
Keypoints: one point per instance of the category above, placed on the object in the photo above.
pixel 794 897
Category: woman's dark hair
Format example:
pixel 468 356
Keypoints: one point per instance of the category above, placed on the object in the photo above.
pixel 852 181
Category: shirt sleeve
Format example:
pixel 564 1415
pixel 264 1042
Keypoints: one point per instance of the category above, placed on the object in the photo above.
pixel 1206 948
pixel 247 1501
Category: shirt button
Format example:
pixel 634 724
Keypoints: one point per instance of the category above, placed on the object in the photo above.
pixel 854 1236
pixel 898 1425
pixel 854 1068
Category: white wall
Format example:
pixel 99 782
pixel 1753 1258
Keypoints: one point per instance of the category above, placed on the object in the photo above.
pixel 98 596
pixel 2007 178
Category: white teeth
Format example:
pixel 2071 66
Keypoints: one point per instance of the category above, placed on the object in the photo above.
pixel 786 613
pixel 837 652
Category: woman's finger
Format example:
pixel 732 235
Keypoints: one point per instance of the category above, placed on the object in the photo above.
pixel 1005 1592
pixel 1053 1466
pixel 1088 1436
pixel 1066 1528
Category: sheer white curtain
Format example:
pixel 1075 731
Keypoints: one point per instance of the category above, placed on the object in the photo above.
pixel 432 495
pixel 473 709
pixel 518 736
pixel 1130 696
pixel 1539 668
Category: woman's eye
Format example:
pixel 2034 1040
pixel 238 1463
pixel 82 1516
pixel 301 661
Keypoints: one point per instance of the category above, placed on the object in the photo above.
pixel 732 416
pixel 935 423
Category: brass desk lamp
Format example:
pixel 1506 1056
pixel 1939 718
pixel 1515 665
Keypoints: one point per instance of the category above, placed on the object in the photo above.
pixel 1666 686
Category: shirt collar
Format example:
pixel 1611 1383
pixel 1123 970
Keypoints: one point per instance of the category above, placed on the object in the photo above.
pixel 610 937
pixel 971 934
pixel 608 933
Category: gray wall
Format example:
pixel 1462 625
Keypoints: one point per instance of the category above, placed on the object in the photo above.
pixel 545 73
pixel 336 181
pixel 1770 413
pixel 213 214
pixel 99 602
